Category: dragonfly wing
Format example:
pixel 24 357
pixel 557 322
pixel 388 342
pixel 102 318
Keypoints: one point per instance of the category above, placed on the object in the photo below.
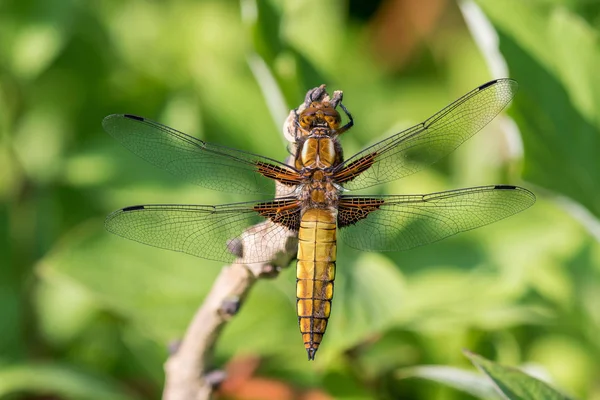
pixel 248 231
pixel 394 223
pixel 205 164
pixel 409 151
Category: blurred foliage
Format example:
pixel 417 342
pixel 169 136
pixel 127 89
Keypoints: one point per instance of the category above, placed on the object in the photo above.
pixel 87 315
pixel 514 384
pixel 495 382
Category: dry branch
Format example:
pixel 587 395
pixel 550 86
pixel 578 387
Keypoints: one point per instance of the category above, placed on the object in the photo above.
pixel 188 370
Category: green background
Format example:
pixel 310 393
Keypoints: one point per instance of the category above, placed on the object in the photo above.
pixel 85 315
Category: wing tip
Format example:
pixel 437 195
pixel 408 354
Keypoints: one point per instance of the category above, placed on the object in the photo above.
pixel 134 117
pixel 516 188
pixel 510 81
pixel 107 120
pixel 132 208
pixel 526 192
pixel 488 84
pixel 110 218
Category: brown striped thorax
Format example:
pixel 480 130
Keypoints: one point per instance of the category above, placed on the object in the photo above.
pixel 312 206
pixel 318 148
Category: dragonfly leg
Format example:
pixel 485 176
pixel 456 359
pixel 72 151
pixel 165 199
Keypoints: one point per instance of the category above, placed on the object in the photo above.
pixel 350 123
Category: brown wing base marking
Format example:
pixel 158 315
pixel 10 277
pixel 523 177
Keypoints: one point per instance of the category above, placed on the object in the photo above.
pixel 286 176
pixel 355 168
pixel 352 210
pixel 282 212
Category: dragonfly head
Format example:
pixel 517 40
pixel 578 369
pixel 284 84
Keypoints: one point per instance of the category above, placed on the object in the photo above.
pixel 319 115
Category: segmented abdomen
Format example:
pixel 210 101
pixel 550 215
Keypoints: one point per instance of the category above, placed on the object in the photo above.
pixel 315 274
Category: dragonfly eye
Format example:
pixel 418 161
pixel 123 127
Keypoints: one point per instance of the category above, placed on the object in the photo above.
pixel 320 116
pixel 307 118
pixel 306 121
pixel 332 121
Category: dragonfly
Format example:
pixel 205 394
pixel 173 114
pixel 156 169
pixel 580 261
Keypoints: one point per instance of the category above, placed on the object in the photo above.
pixel 316 205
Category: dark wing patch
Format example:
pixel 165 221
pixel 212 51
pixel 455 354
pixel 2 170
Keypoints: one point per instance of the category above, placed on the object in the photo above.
pixel 211 232
pixel 286 176
pixel 355 168
pixel 353 209
pixel 282 212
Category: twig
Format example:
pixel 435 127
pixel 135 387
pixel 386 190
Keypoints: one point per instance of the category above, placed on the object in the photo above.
pixel 187 371
pixel 188 367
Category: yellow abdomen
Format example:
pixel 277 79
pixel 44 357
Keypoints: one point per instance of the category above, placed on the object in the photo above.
pixel 315 274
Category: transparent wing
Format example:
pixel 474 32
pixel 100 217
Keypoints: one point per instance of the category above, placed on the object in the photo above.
pixel 208 165
pixel 393 223
pixel 409 151
pixel 223 233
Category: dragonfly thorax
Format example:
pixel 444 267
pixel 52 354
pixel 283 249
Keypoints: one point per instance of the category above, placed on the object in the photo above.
pixel 315 160
pixel 318 152
pixel 319 190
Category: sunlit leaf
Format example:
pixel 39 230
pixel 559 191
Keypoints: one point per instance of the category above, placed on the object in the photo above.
pixel 460 379
pixel 57 380
pixel 368 297
pixel 263 21
pixel 35 47
pixel 158 291
pixel 554 56
pixel 514 384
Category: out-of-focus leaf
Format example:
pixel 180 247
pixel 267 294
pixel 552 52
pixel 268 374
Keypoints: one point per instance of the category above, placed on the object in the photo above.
pixel 270 88
pixel 57 380
pixel 267 324
pixel 296 74
pixel 308 75
pixel 158 291
pixel 32 38
pixel 149 355
pixel 132 280
pixel 392 349
pixel 35 47
pixel 460 379
pixel 12 343
pixel 39 143
pixel 64 310
pixel 342 385
pixel 368 293
pixel 283 74
pixel 554 55
pixel 319 30
pixel 570 362
pixel 514 384
pixel 263 21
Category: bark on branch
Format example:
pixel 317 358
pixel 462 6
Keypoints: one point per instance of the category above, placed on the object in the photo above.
pixel 187 371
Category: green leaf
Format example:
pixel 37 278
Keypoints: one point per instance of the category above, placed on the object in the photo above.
pixel 342 385
pixel 368 290
pixel 158 291
pixel 514 384
pixel 554 55
pixel 263 22
pixel 57 381
pixel 460 379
